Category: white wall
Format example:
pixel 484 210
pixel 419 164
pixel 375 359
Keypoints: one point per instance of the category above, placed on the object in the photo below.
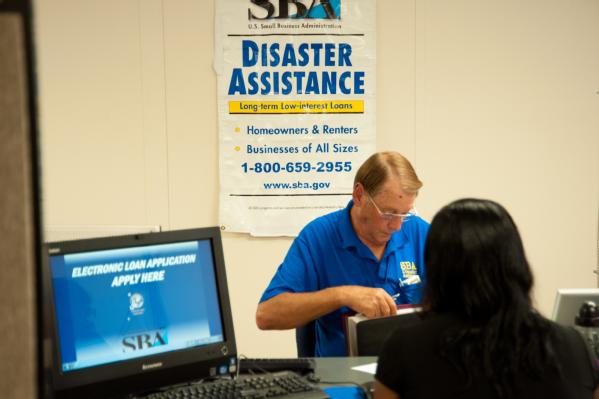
pixel 488 99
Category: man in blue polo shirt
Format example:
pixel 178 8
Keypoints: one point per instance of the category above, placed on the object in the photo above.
pixel 365 258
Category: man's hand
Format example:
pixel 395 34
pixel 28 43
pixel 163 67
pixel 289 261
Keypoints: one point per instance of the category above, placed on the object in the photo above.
pixel 371 302
pixel 290 310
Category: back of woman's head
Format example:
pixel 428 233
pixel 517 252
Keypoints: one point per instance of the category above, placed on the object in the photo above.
pixel 475 261
pixel 476 269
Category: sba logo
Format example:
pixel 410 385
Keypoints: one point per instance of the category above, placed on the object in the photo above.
pixel 144 340
pixel 315 9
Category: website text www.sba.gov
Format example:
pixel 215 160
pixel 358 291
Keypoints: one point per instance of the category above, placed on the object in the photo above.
pixel 299 185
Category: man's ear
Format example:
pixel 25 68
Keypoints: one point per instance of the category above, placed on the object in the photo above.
pixel 359 194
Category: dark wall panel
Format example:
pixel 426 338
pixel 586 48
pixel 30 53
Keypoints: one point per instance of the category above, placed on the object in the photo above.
pixel 18 216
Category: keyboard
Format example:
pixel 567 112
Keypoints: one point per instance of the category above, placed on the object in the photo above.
pixel 284 384
pixel 301 365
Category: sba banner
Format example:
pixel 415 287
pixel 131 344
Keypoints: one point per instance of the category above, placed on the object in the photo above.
pixel 296 103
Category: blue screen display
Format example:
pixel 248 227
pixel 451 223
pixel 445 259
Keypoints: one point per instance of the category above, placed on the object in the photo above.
pixel 119 304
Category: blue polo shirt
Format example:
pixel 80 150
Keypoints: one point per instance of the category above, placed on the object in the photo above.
pixel 328 253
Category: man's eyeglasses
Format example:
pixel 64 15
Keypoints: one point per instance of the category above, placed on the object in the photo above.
pixel 389 216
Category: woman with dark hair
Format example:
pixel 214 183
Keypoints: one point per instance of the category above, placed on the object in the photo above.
pixel 480 336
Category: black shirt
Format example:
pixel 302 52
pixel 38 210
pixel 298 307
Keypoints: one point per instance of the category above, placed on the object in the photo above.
pixel 411 365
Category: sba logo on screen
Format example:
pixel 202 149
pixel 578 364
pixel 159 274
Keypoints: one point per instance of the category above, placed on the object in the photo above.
pixel 282 9
pixel 145 340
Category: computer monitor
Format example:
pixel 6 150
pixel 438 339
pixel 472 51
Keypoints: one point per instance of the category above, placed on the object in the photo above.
pixel 133 313
pixel 568 301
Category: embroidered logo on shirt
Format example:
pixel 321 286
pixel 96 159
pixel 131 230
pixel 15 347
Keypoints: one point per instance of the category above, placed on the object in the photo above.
pixel 408 269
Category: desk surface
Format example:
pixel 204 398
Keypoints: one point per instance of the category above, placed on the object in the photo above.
pixel 339 369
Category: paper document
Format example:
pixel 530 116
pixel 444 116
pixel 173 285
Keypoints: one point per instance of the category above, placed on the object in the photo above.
pixel 369 368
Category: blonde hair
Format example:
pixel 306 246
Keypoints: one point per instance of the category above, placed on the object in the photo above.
pixel 375 171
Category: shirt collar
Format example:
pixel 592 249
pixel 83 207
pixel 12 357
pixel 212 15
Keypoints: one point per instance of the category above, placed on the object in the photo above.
pixel 349 238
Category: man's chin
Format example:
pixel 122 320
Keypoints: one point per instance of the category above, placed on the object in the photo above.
pixel 384 238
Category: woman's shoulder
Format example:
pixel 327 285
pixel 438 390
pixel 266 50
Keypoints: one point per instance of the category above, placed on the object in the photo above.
pixel 575 354
pixel 565 335
pixel 569 341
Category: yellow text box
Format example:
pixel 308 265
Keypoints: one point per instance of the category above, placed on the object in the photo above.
pixel 297 107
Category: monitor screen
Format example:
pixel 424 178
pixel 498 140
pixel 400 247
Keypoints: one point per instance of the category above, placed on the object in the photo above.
pixel 568 301
pixel 130 310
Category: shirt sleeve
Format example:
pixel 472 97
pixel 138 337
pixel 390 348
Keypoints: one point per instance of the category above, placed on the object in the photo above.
pixel 297 273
